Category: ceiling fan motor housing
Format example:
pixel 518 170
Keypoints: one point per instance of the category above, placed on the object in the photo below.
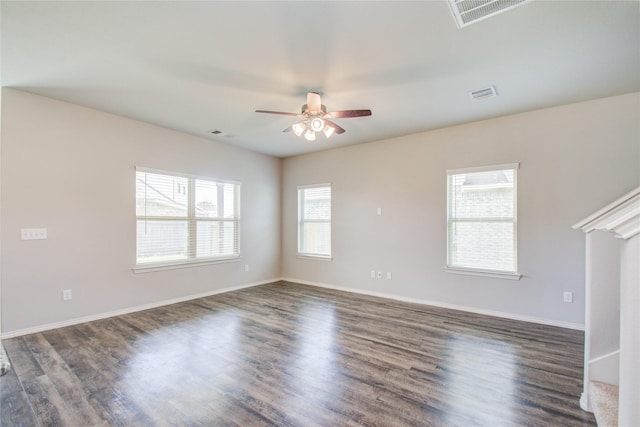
pixel 308 113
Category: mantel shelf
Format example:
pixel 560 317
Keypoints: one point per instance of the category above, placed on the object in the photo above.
pixel 622 217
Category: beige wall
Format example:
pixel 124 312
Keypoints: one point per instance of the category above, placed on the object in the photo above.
pixel 71 170
pixel 573 159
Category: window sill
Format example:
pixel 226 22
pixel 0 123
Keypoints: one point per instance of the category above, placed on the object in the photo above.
pixel 483 273
pixel 316 257
pixel 148 268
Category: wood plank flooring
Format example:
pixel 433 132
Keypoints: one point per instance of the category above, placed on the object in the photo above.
pixel 286 354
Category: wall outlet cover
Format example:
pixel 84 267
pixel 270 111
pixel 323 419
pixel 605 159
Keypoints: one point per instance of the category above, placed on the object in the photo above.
pixel 33 233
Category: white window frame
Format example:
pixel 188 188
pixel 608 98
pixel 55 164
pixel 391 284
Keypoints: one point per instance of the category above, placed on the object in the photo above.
pixel 302 221
pixel 513 275
pixel 192 219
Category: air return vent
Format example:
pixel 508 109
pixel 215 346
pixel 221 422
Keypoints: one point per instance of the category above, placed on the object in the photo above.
pixel 466 12
pixel 484 93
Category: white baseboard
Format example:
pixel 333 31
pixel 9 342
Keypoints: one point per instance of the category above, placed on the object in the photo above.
pixel 605 368
pixel 493 313
pixel 584 402
pixel 79 320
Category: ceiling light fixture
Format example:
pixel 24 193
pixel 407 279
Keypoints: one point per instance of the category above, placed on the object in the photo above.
pixel 328 130
pixel 317 124
pixel 310 135
pixel 315 118
pixel 298 128
pixel 314 125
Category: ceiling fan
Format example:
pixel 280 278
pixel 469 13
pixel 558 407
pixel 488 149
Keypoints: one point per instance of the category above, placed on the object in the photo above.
pixel 315 118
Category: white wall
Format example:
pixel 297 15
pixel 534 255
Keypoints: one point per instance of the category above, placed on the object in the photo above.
pixel 573 159
pixel 603 264
pixel 602 316
pixel 629 411
pixel 71 169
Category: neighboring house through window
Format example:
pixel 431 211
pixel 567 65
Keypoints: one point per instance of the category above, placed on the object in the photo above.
pixel 183 219
pixel 314 221
pixel 482 221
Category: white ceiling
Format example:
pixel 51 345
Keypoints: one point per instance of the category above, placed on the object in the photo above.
pixel 198 66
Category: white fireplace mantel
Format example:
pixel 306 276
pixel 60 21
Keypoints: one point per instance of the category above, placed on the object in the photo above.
pixel 622 217
pixel 611 269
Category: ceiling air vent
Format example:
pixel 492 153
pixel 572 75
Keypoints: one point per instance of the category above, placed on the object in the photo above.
pixel 466 12
pixel 484 93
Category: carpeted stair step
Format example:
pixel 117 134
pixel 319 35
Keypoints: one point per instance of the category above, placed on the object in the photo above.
pixel 4 361
pixel 604 401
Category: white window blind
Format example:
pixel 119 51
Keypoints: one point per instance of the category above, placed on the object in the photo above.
pixel 481 219
pixel 314 220
pixel 182 219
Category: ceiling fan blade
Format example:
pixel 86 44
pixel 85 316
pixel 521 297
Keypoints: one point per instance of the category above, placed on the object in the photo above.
pixel 338 129
pixel 313 102
pixel 282 113
pixel 345 114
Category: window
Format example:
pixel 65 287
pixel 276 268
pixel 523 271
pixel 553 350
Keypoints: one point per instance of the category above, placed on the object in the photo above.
pixel 183 219
pixel 314 221
pixel 481 221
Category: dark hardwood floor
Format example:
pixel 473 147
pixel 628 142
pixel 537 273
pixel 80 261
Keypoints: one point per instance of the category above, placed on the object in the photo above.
pixel 285 354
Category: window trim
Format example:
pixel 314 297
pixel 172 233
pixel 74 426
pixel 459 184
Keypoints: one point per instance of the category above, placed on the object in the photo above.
pixel 488 168
pixel 191 218
pixel 307 255
pixel 470 271
pixel 495 274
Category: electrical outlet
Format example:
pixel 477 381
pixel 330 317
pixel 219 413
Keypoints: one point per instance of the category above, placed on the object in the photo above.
pixel 33 233
pixel 246 267
pixel 567 296
pixel 67 295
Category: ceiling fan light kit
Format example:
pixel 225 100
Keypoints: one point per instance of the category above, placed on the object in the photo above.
pixel 310 135
pixel 317 124
pixel 328 131
pixel 298 128
pixel 316 118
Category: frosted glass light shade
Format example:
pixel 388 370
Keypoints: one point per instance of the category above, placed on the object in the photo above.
pixel 328 131
pixel 316 124
pixel 298 128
